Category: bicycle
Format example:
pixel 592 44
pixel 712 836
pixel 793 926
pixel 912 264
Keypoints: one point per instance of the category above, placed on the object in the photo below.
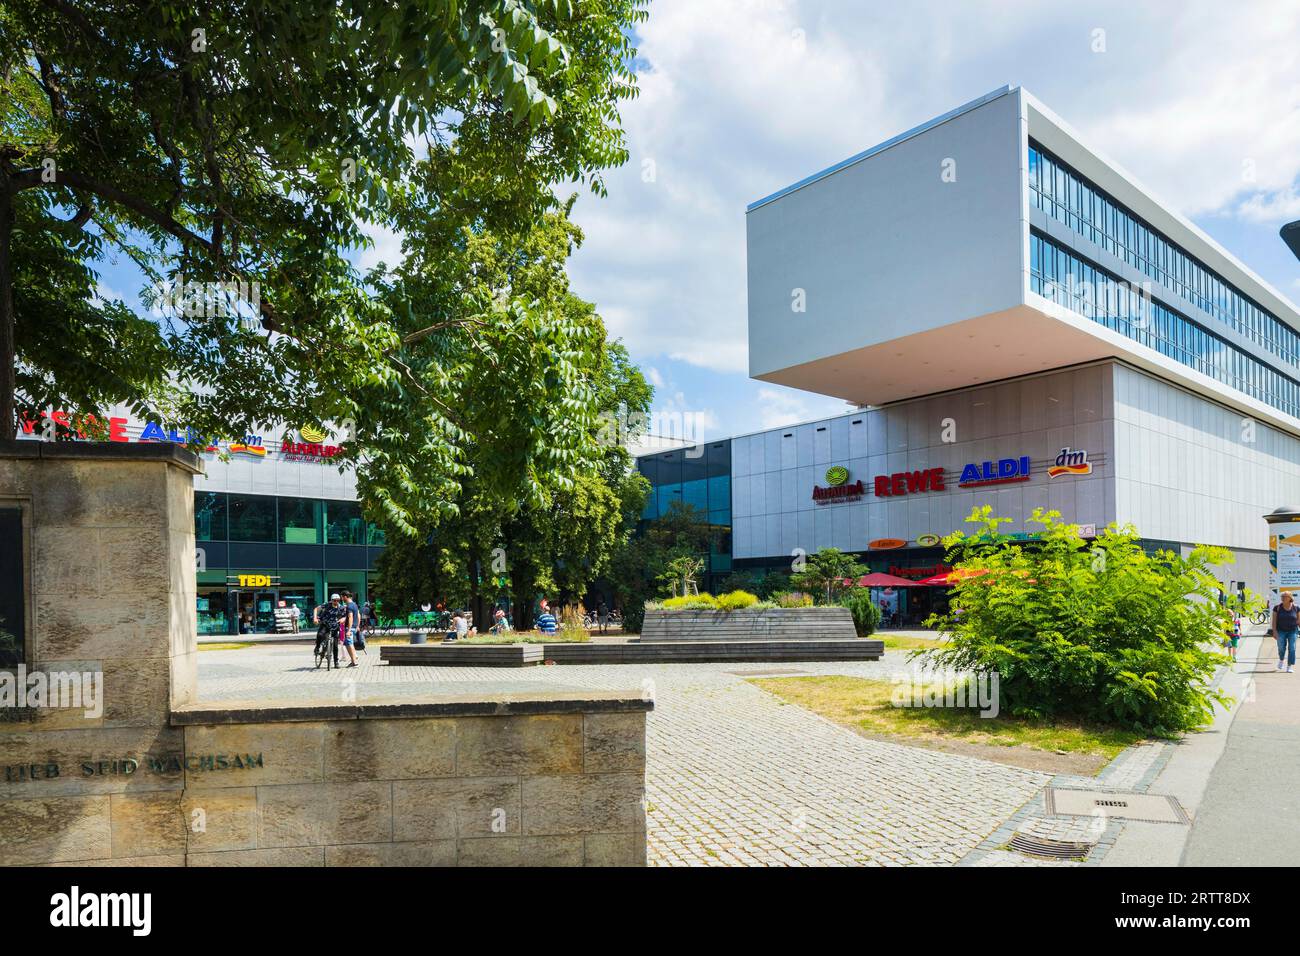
pixel 1259 617
pixel 324 650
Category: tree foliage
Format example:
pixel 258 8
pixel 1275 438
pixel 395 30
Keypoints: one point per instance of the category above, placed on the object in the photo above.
pixel 637 570
pixel 829 573
pixel 261 143
pixel 559 539
pixel 1103 631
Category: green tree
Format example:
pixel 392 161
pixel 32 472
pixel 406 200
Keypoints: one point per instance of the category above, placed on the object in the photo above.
pixel 829 573
pixel 259 143
pixel 1102 631
pixel 558 541
pixel 637 568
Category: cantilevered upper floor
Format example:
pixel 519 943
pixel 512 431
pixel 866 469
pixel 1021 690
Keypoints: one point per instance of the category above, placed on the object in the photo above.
pixel 990 243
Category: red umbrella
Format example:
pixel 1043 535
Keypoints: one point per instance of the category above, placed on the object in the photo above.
pixel 952 577
pixel 879 579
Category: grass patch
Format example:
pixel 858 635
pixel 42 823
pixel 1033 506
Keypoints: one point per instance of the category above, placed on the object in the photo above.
pixel 227 646
pixel 905 642
pixel 867 706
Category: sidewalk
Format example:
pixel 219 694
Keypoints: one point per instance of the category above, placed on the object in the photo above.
pixel 1247 816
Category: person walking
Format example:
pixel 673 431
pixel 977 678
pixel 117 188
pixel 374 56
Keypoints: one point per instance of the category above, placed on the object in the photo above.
pixel 1286 621
pixel 351 623
pixel 602 616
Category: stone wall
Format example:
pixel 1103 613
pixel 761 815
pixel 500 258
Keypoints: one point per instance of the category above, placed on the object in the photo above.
pixel 155 777
pixel 539 781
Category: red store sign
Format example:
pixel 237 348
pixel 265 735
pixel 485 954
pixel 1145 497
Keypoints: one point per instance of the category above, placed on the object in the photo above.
pixel 909 482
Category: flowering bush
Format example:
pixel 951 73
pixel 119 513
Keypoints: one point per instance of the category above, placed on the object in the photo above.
pixel 1103 632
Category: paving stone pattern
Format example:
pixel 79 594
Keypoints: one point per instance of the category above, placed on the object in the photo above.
pixel 734 776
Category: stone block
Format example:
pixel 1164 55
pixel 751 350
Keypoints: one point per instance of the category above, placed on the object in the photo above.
pixel 88 627
pixel 492 746
pixel 184 677
pixel 147 824
pixel 169 859
pixel 389 749
pixel 456 807
pixel 614 743
pixel 614 849
pixel 591 803
pixel 429 853
pixel 220 819
pixel 134 563
pixel 65 563
pixel 521 851
pixel 104 752
pixel 290 752
pixel 78 683
pixel 104 494
pixel 279 856
pixel 55 830
pixel 136 692
pixel 317 814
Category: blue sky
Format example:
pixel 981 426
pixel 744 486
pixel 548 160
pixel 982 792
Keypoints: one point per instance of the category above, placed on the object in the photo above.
pixel 1199 100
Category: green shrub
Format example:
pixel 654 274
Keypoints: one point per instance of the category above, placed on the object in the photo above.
pixel 866 615
pixel 634 617
pixel 736 600
pixel 691 602
pixel 1101 632
pixel 793 599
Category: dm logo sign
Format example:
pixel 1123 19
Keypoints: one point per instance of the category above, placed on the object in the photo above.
pixel 836 476
pixel 1070 463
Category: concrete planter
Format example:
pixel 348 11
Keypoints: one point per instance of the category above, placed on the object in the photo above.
pixel 767 624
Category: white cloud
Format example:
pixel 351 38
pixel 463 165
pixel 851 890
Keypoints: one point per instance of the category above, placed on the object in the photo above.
pixel 1198 100
pixel 1276 207
pixel 386 248
pixel 783 406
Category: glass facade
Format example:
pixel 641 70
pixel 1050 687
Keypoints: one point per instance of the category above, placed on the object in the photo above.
pixel 704 483
pixel 1084 287
pixel 343 523
pixel 256 551
pixel 251 517
pixel 1075 202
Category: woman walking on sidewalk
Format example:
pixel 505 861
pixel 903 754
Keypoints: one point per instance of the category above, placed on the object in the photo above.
pixel 1286 620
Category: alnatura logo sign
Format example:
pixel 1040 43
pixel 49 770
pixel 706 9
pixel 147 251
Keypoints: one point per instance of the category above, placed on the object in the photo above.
pixel 1071 463
pixel 838 487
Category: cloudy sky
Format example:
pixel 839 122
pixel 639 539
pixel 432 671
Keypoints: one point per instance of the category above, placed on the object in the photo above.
pixel 1199 100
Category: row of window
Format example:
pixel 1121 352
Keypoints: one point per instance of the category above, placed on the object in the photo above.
pixel 1073 201
pixel 1091 291
pixel 219 516
pixel 706 494
pixel 709 460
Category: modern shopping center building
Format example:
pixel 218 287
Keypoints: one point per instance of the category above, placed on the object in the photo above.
pixel 275 519
pixel 1017 322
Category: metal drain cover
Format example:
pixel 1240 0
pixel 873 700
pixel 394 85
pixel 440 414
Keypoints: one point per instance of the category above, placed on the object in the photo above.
pixel 1052 849
pixel 1148 807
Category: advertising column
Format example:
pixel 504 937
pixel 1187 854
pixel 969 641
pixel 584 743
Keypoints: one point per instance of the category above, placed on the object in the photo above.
pixel 1283 553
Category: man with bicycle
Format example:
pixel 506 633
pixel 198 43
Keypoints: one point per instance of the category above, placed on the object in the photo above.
pixel 329 619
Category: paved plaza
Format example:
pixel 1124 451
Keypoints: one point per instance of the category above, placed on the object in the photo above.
pixel 734 775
